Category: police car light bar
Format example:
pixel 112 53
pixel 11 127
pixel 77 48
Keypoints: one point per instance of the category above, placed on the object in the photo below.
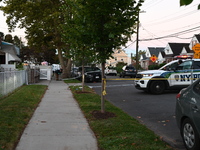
pixel 182 57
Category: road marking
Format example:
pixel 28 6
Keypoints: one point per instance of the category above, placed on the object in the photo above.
pixel 99 86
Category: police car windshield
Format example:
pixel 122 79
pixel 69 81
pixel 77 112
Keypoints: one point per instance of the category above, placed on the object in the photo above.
pixel 170 65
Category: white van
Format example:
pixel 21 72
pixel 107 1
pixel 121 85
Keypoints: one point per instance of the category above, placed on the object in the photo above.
pixel 170 76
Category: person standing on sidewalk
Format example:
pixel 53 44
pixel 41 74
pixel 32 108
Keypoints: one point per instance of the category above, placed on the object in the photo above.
pixel 58 73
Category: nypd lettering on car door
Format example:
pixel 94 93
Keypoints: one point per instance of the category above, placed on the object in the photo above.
pixel 185 78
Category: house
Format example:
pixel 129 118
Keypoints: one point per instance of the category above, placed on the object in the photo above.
pixel 118 55
pixel 175 49
pixel 195 39
pixel 145 59
pixel 9 55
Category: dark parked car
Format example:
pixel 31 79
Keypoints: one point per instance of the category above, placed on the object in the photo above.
pixel 74 72
pixel 188 115
pixel 128 71
pixel 92 74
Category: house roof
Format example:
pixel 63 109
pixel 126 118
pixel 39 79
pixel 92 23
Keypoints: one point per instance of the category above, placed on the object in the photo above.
pixel 178 47
pixel 10 49
pixel 156 50
pixel 189 50
pixel 163 54
pixel 144 57
pixel 198 37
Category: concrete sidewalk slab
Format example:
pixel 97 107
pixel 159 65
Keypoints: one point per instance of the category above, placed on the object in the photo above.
pixel 58 123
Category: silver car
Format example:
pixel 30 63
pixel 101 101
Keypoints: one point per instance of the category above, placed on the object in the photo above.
pixel 188 115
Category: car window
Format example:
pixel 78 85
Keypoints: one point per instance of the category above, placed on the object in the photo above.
pixel 196 64
pixel 169 66
pixel 185 65
pixel 130 68
pixel 196 88
pixel 88 69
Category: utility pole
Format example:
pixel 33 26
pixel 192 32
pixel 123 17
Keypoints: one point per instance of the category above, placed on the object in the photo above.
pixel 137 40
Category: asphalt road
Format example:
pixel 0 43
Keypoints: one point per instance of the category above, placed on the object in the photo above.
pixel 157 112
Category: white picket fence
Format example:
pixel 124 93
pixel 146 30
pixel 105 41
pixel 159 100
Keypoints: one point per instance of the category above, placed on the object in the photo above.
pixel 11 80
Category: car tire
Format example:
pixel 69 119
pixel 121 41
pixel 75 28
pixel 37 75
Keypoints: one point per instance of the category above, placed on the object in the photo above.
pixel 190 135
pixel 157 87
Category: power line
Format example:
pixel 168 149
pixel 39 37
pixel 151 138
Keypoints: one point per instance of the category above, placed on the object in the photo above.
pixel 173 19
pixel 173 35
pixel 171 16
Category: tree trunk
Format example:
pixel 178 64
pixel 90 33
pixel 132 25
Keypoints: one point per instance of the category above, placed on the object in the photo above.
pixel 103 88
pixel 83 77
pixel 65 65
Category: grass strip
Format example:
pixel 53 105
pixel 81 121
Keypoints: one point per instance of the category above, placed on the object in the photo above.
pixel 72 81
pixel 121 132
pixel 15 113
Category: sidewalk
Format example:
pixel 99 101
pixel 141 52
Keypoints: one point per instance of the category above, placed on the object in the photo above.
pixel 58 123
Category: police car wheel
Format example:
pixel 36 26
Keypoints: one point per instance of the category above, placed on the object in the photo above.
pixel 157 87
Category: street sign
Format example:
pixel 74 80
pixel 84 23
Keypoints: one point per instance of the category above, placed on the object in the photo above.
pixel 196 48
pixel 153 58
pixel 197 55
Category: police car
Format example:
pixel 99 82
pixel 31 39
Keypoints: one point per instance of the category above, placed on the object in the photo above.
pixel 171 76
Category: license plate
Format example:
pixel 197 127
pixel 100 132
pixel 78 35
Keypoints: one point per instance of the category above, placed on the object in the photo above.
pixel 97 77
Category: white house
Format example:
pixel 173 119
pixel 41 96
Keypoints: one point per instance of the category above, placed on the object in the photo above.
pixel 8 55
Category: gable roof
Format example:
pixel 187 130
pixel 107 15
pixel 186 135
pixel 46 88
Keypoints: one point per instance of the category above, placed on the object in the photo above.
pixel 178 47
pixel 10 49
pixel 144 57
pixel 155 50
pixel 197 36
pixel 189 50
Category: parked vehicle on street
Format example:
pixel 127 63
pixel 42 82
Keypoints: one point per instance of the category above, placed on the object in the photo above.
pixel 92 74
pixel 74 72
pixel 171 76
pixel 110 71
pixel 188 115
pixel 128 71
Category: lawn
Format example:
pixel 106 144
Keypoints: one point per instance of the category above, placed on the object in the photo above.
pixel 15 112
pixel 115 129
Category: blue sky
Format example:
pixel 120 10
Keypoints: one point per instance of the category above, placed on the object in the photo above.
pixel 161 18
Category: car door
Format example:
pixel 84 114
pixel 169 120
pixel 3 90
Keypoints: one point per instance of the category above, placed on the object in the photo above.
pixel 182 74
pixel 195 104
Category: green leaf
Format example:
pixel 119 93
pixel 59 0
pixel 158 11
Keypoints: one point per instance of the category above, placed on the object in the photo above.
pixel 198 6
pixel 185 2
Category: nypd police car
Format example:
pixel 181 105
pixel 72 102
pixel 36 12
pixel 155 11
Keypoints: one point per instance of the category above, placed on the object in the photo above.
pixel 171 76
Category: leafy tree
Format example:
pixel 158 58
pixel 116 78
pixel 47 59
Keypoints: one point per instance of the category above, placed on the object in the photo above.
pixel 1 35
pixel 42 20
pixel 102 26
pixel 141 52
pixel 119 66
pixel 187 2
pixel 8 38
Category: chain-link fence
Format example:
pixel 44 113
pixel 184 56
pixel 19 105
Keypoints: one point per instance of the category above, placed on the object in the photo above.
pixel 11 80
